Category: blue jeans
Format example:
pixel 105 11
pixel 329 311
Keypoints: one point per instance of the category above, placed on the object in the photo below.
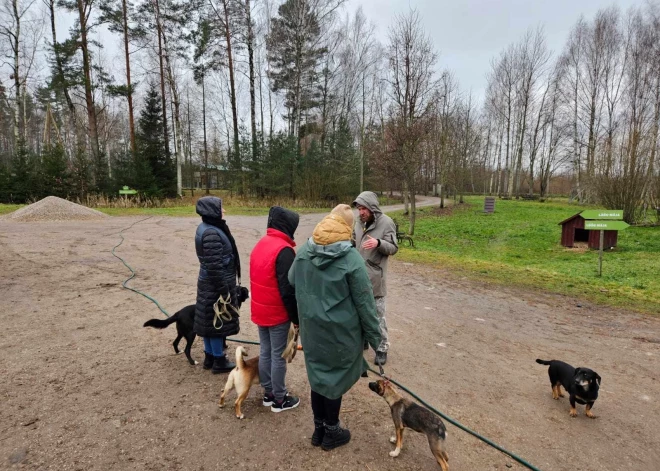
pixel 272 367
pixel 213 346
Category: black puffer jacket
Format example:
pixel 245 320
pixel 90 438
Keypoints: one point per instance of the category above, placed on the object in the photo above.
pixel 217 269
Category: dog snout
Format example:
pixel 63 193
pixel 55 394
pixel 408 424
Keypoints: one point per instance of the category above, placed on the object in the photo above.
pixel 373 386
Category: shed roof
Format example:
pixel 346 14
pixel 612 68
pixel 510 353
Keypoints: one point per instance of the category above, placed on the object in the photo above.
pixel 570 218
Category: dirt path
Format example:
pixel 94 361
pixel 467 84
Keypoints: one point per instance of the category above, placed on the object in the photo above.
pixel 85 387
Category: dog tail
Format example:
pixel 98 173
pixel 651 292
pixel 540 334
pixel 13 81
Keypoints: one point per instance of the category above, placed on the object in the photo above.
pixel 543 362
pixel 160 323
pixel 240 353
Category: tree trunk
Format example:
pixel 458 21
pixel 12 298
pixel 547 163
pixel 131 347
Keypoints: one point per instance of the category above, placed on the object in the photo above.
pixel 261 104
pixel 131 120
pixel 89 98
pixel 17 79
pixel 413 213
pixel 206 150
pixel 250 48
pixel 159 27
pixel 177 132
pixel 232 94
pixel 60 71
pixel 190 166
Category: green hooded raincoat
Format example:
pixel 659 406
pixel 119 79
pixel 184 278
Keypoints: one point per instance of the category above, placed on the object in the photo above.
pixel 336 308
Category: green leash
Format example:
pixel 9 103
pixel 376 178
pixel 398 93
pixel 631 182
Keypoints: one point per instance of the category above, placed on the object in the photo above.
pixel 380 373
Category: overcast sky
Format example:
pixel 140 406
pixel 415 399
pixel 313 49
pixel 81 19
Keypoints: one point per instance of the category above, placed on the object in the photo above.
pixel 468 33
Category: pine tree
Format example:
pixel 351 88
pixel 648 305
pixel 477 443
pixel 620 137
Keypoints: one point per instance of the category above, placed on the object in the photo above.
pixel 55 175
pixel 155 173
pixel 294 54
pixel 22 175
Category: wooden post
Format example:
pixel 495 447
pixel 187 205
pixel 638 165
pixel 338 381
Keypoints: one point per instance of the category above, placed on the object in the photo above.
pixel 600 253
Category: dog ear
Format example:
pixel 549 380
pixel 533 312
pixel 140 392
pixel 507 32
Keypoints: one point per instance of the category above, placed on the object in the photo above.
pixel 577 371
pixel 598 379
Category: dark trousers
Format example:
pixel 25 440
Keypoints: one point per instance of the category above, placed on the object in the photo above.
pixel 326 409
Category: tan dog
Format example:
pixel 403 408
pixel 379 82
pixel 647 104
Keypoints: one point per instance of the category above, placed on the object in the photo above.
pixel 406 413
pixel 242 378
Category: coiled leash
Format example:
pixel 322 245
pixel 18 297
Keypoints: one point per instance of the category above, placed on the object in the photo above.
pixel 221 308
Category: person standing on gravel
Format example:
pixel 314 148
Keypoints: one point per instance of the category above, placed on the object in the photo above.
pixel 273 304
pixel 375 239
pixel 219 268
pixel 337 313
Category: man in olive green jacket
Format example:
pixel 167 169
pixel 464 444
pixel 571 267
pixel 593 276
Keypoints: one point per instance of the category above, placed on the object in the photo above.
pixel 337 313
pixel 375 239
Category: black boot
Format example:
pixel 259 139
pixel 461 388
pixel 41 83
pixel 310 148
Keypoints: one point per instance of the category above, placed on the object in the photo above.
pixel 335 436
pixel 221 365
pixel 319 432
pixel 208 361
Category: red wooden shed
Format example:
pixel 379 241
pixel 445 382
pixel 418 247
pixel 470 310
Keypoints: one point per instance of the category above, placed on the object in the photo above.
pixel 572 230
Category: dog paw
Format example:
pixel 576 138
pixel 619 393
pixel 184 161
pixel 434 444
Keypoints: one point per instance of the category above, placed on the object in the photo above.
pixel 196 363
pixel 393 439
pixel 395 453
pixel 590 415
pixel 240 417
pixel 221 405
pixel 573 413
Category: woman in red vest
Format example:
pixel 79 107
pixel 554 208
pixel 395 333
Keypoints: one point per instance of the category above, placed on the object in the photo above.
pixel 273 304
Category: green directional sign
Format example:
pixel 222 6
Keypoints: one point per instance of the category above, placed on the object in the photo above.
pixel 611 214
pixel 127 191
pixel 605 225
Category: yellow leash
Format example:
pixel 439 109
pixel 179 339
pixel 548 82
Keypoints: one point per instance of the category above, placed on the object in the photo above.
pixel 221 309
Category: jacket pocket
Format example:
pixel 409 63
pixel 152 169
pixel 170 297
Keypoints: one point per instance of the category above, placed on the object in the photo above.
pixel 375 275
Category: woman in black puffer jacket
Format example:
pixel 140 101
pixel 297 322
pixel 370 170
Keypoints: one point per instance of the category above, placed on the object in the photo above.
pixel 219 268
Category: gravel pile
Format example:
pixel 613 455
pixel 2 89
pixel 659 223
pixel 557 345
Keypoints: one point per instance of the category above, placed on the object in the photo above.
pixel 53 208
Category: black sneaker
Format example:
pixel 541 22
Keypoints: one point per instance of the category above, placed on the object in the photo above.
pixel 289 402
pixel 269 398
pixel 381 358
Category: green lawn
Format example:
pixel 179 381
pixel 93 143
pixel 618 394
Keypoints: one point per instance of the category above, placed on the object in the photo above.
pixel 9 208
pixel 520 245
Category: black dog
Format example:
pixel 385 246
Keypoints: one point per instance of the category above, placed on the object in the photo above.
pixel 185 319
pixel 581 384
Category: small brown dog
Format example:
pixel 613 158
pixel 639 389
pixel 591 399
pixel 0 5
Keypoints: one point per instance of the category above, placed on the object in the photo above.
pixel 242 378
pixel 406 413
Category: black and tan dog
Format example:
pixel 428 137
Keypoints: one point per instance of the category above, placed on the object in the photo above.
pixel 581 384
pixel 242 378
pixel 406 413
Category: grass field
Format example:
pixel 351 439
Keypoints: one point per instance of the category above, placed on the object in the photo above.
pixel 519 245
pixel 9 208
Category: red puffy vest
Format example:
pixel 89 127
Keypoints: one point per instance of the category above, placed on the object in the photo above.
pixel 266 303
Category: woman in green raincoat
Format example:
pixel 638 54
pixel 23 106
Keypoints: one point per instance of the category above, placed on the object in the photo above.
pixel 337 313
